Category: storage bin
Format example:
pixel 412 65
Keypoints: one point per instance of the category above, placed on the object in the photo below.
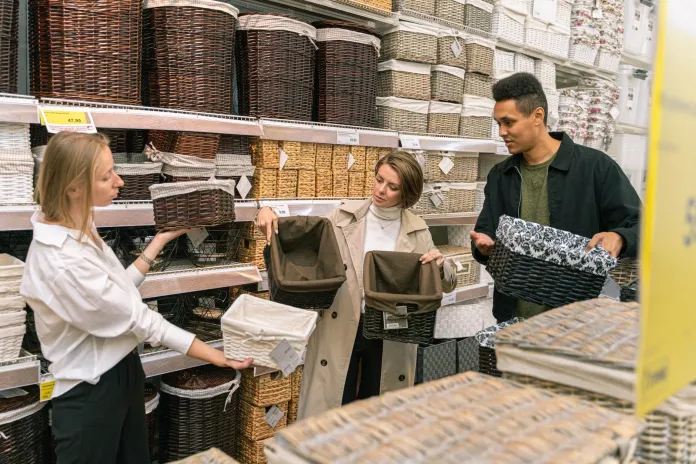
pixel 183 205
pixel 306 184
pixel 464 169
pixel 9 46
pixel 426 7
pixel 250 451
pixel 340 184
pixel 196 144
pixel 557 269
pixel 464 319
pixel 399 284
pixel 253 327
pixel 545 72
pixel 443 118
pixel 265 390
pixel 403 80
pixel 410 42
pixel 356 184
pixel 559 42
pixel 12 318
pixel 11 340
pixel 451 11
pixel 25 428
pixel 433 200
pixel 450 49
pixel 478 15
pixel 478 85
pixel 467 355
pixel 324 184
pixel 268 46
pixel 253 425
pixel 236 145
pixel 16 176
pixel 479 56
pixel 524 63
pixel 402 115
pixel 188 54
pixel 536 35
pixel 508 25
pixel 251 252
pixel 137 175
pixel 447 84
pixel 608 61
pixel 436 361
pixel 583 54
pixel 477 119
pixel 467 268
pixel 503 63
pixel 488 363
pixel 287 183
pixel 15 136
pixel 564 9
pixel 218 248
pixel 236 173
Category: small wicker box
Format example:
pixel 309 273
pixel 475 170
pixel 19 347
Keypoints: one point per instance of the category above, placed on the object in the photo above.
pixel 508 25
pixel 443 118
pixel 480 56
pixel 265 154
pixel 292 150
pixel 306 184
pixel 478 14
pixel 477 120
pixel 264 184
pixel 426 7
pixel 340 184
pixel 403 79
pixel 324 156
pixel 250 451
pixel 478 84
pixel 449 42
pixel 433 200
pixel 450 10
pixel 359 155
pixel 252 421
pixel 447 84
pixel 324 183
pixel 410 42
pixel 251 252
pixel 340 157
pixel 402 115
pixel 465 167
pixel 308 155
pixel 371 158
pixel 287 183
pixel 462 198
pixel 356 183
pixel 265 390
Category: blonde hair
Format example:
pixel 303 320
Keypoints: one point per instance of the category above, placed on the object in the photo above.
pixel 410 173
pixel 70 161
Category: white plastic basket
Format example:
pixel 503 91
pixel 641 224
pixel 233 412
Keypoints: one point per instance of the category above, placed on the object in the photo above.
pixel 545 71
pixel 508 25
pixel 583 54
pixel 608 61
pixel 536 35
pixel 524 63
pixel 253 327
pixel 11 341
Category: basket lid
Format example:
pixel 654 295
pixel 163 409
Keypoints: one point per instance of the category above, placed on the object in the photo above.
pixel 205 4
pixel 274 22
pixel 437 107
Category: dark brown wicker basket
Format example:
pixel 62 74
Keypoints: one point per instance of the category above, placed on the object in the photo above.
pixel 275 70
pixel 124 140
pixel 189 425
pixel 9 21
pixel 196 209
pixel 234 145
pixel 346 75
pixel 151 397
pixel 24 441
pixel 199 144
pixel 88 50
pixel 188 54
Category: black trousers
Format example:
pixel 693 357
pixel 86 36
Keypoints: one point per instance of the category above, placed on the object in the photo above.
pixel 104 423
pixel 365 369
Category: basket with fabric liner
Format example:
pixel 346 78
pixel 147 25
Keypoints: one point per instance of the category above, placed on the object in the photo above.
pixel 546 266
pixel 450 10
pixel 462 198
pixel 488 363
pixel 443 118
pixel 86 51
pixel 403 79
pixel 181 168
pixel 402 115
pixel 478 15
pixel 433 199
pixel 447 83
pixel 252 421
pixel 24 428
pixel 426 7
pixel 188 49
pixel 152 398
pixel 9 45
pixel 304 263
pixel 478 85
pixel 398 283
pixel 253 327
pixel 346 89
pixel 480 56
pixel 467 268
pixel 410 42
pixel 138 174
pixel 465 168
pixel 134 240
pixel 559 42
pixel 446 48
pixel 234 145
pixel 218 248
pixel 198 144
pixel 199 410
pixel 16 176
pixel 266 389
pixel 588 350
pixel 477 117
pixel 184 205
pixel 235 173
pixel 536 35
pixel 275 66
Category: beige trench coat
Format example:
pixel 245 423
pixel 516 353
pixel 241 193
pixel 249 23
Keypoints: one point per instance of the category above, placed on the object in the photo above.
pixel 331 344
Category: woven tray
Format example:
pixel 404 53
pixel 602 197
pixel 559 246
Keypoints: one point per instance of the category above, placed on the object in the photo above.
pixel 265 390
pixel 253 425
pixel 465 168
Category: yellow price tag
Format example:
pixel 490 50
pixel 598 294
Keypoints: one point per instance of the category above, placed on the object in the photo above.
pixel 66 120
pixel 46 390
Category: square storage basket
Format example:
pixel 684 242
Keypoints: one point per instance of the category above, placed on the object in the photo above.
pixel 16 176
pixel 479 85
pixel 508 25
pixel 306 184
pixel 265 390
pixel 433 200
pixel 545 72
pixel 251 251
pixel 584 54
pixel 447 84
pixel 324 184
pixel 183 205
pixel 444 118
pixel 410 42
pixel 465 168
pixel 524 63
pixel 478 15
pixel 468 270
pixel 447 43
pixel 356 184
pixel 402 115
pixel 265 154
pixel 559 42
pixel 324 157
pixel 403 80
pixel 137 175
pixel 252 421
pixel 462 198
pixel 450 10
pixel 467 355
pixel 340 184
pixel 475 127
pixel 287 184
pixel 436 361
pixel 479 56
pixel 264 183
pixel 536 35
pixel 426 7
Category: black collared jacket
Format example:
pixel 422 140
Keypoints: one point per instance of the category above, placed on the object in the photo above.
pixel 588 193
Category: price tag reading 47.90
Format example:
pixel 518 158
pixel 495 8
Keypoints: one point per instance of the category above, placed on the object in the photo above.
pixel 63 120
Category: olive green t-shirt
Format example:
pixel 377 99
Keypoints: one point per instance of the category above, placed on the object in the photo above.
pixel 534 207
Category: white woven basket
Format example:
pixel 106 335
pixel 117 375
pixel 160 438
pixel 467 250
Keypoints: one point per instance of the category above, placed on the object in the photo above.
pixel 10 301
pixel 564 9
pixel 583 54
pixel 14 136
pixel 536 35
pixel 559 42
pixel 524 63
pixel 463 320
pixel 11 341
pixel 13 318
pixel 503 62
pixel 608 61
pixel 230 159
pixel 11 270
pixel 253 327
pixel 508 25
pixel 545 71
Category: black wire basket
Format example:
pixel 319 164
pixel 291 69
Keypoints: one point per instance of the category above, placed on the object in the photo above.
pixel 134 240
pixel 219 247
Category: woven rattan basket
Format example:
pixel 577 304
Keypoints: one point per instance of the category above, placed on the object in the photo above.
pixel 189 54
pixel 324 156
pixel 24 428
pixel 450 10
pixel 410 42
pixel 184 205
pixel 234 145
pixel 324 183
pixel 433 200
pixel 403 80
pixel 477 117
pixel 443 118
pixel 199 410
pixel 198 144
pixel 450 49
pixel 356 184
pixel 265 390
pixel 488 362
pixel 426 7
pixel 253 425
pixel 71 55
pixel 9 45
pixel 346 89
pixel 462 198
pixel 137 175
pixel 270 46
pixel 447 84
pixel 251 251
pixel 181 168
pixel 287 184
pixel 306 184
pixel 264 184
pixel 16 176
pixel 250 451
pixel 468 270
pixel 479 56
pixel 340 184
pixel 402 115
pixel 478 14
pixel 464 169
pixel 479 85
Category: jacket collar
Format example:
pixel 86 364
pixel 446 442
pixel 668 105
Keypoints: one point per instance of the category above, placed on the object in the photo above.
pixel 355 211
pixel 562 160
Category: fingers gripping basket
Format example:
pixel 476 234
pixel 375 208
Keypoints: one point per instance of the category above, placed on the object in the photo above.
pixel 399 285
pixel 275 67
pixel 253 327
pixel 545 265
pixel 304 263
pixel 183 205
pixel 403 79
pixel 138 175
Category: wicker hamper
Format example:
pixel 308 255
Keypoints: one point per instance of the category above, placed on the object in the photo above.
pixel 266 389
pixel 346 89
pixel 464 167
pixel 443 118
pixel 447 83
pixel 450 10
pixel 403 79
pixel 436 361
pixel 304 263
pixel 480 55
pixel 199 410
pixel 426 7
pixel 468 270
pixel 478 15
pixel 477 117
pixel 16 176
pixel 275 66
pixel 137 174
pixel 488 363
pixel 464 319
pixel 433 200
pixel 24 429
pixel 183 205
pixel 9 45
pixel 555 271
pixel 400 291
pixel 450 49
pixel 508 25
pixel 402 115
pixel 410 42
pixel 253 327
pixel 86 51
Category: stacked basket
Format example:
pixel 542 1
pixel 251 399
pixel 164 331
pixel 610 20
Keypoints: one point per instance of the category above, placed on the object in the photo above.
pixel 466 268
pixel 16 165
pixel 233 161
pixel 488 363
pixel 12 314
pixel 24 428
pixel 509 18
pixel 477 117
pixel 138 174
pixel 9 45
pixel 464 167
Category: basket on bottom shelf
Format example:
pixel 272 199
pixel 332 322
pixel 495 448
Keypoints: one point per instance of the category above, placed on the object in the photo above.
pixel 436 361
pixel 250 451
pixel 253 424
pixel 24 428
pixel 468 270
pixel 486 347
pixel 152 398
pixel 219 247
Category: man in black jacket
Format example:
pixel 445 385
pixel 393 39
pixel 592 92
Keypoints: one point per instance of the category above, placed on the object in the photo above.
pixel 551 181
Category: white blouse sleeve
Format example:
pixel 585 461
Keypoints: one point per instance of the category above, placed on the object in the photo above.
pixel 135 275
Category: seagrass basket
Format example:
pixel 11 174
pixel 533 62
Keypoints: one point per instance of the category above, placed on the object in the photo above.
pixel 324 183
pixel 426 7
pixel 467 268
pixel 250 451
pixel 464 169
pixel 433 200
pixel 447 84
pixel 402 115
pixel 450 49
pixel 450 10
pixel 403 80
pixel 253 425
pixel 324 155
pixel 251 251
pixel 265 390
pixel 286 184
pixel 264 184
pixel 477 117
pixel 137 174
pixel 184 205
pixel 479 56
pixel 339 180
pixel 443 118
pixel 478 84
pixel 9 45
pixel 300 155
pixel 356 184
pixel 306 184
pixel 478 14
pixel 410 42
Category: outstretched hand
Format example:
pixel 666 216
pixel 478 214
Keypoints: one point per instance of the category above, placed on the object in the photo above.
pixel 483 243
pixel 267 221
pixel 610 241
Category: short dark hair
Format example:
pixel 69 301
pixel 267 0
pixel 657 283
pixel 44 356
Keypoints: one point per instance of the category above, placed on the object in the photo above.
pixel 526 90
pixel 410 173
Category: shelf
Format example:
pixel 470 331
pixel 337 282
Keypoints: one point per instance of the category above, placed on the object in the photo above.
pixel 451 219
pixel 181 277
pixel 445 143
pixel 631 129
pixel 20 372
pixel 245 210
pixel 166 361
pixel 463 294
pixel 299 131
pixel 18 109
pixel 638 61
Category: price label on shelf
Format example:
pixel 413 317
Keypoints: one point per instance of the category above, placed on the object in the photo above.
pixel 273 416
pixel 449 298
pixel 344 137
pixel 61 120
pixel 286 358
pixel 501 149
pixel 281 210
pixel 46 390
pixel 409 142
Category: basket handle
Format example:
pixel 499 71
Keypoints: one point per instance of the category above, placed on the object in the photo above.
pixel 233 388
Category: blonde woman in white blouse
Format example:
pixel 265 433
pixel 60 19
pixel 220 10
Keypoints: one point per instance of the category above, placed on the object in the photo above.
pixel 89 314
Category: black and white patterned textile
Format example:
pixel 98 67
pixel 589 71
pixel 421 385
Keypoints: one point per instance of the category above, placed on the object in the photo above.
pixel 485 336
pixel 467 355
pixel 436 361
pixel 553 246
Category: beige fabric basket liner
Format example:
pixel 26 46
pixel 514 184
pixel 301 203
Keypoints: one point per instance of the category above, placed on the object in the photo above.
pixel 206 4
pixel 158 191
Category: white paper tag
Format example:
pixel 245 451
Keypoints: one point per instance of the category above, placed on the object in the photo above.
pixel 13 393
pixel 460 268
pixel 614 112
pixel 436 199
pixel 243 186
pixel 597 13
pixel 491 291
pixel 262 286
pixel 351 161
pixel 394 321
pixel 197 237
pixel 410 142
pixel 273 416
pixel 283 158
pixel 449 298
pixel 281 210
pixel 446 164
pixel 286 358
pixel 456 48
pixel 344 137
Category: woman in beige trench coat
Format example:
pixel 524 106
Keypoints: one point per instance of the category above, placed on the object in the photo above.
pixel 332 349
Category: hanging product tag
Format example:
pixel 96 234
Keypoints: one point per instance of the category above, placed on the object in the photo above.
pixel 283 158
pixel 421 160
pixel 448 299
pixel 614 112
pixel 394 321
pixel 286 358
pixel 197 237
pixel 344 137
pixel 436 199
pixel 409 142
pixel 273 416
pixel 446 164
pixel 243 186
pixel 351 161
pixel 460 268
pixel 456 48
pixel 72 121
pixel 46 390
pixel 597 13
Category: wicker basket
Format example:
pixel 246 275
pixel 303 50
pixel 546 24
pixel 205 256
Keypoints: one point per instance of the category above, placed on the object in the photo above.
pixel 253 425
pixel 443 118
pixel 287 184
pixel 265 154
pixel 306 184
pixel 559 42
pixel 488 363
pixel 269 46
pixel 16 136
pixel 503 63
pixel 251 252
pixel 137 175
pixel 189 54
pixel 265 390
pixel 236 173
pixel 524 63
pixel 426 7
pixel 402 115
pixel 198 144
pixel 356 184
pixel 324 156
pixel 372 155
pixel 380 7
pixel 250 451
pixel 608 61
pixel 545 72
pixel 24 423
pixel 536 35
pixel 465 319
pixel 234 145
pixel 16 176
pixel 182 168
pixel 403 80
pixel 324 184
pixel 450 10
pixel 68 39
pixel 250 230
pixel 346 89
pixel 564 11
pixel 340 156
pixel 200 410
pixel 447 84
pixel 477 120
pixel 410 42
pixel 340 184
pixel 462 198
pixel 9 45
pixel 296 386
pixel 433 200
pixel 480 56
pixel 265 184
pixel 478 85
pixel 369 184
pixel 508 25
pixel 11 340
pixel 478 15
pixel 464 169
pixel 468 270
pixel 486 161
pixel 583 54
pixel 152 398
pixel 183 205
pixel 450 49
